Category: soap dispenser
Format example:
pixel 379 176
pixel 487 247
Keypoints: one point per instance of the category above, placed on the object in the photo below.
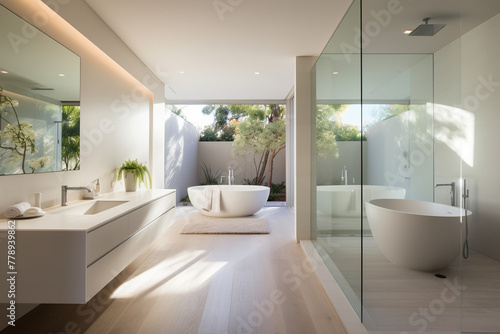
pixel 97 188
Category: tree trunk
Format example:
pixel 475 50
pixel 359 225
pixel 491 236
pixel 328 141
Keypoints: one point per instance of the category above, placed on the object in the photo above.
pixel 259 179
pixel 270 171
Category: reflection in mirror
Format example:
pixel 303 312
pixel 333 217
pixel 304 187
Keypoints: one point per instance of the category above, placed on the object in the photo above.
pixel 39 100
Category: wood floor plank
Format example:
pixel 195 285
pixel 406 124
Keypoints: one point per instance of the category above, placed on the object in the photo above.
pixel 215 317
pixel 242 308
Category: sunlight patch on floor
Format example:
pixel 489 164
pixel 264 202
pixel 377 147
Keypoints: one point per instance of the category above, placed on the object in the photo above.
pixel 192 278
pixel 153 278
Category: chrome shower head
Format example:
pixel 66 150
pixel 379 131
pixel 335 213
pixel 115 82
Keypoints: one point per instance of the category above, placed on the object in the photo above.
pixel 427 29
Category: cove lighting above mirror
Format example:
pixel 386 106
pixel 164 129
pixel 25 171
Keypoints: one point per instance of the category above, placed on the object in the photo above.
pixel 39 100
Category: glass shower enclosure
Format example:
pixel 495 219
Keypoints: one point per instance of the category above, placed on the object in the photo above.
pixel 400 116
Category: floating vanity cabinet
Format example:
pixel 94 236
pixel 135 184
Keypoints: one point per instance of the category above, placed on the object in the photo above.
pixel 111 247
pixel 69 259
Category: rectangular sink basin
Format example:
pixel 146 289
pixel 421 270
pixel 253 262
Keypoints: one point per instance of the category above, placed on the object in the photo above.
pixel 90 208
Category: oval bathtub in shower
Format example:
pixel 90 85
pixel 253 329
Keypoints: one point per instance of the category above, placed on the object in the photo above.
pixel 417 235
pixel 235 200
pixel 344 201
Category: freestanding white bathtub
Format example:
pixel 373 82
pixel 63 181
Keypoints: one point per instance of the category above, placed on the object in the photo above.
pixel 235 200
pixel 344 201
pixel 417 235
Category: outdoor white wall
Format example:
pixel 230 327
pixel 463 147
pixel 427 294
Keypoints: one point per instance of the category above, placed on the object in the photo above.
pixel 112 130
pixel 329 170
pixel 218 156
pixel 474 135
pixel 181 154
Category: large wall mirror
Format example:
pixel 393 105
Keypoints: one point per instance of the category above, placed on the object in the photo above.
pixel 39 100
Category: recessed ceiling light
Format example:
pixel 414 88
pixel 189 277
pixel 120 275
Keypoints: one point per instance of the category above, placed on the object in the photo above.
pixel 256 72
pixel 61 74
pixel 181 72
pixel 335 73
pixel 4 72
pixel 407 32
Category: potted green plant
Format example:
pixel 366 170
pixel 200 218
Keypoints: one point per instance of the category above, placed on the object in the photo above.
pixel 133 172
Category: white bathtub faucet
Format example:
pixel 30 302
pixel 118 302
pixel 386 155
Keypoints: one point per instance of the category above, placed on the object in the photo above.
pixel 230 176
pixel 344 175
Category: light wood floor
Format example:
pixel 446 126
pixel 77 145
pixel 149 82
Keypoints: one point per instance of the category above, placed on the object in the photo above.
pixel 395 299
pixel 204 284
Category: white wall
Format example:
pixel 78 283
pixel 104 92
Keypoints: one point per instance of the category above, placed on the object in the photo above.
pixel 181 154
pixel 112 129
pixel 329 170
pixel 218 156
pixel 472 132
pixel 400 153
pixel 305 165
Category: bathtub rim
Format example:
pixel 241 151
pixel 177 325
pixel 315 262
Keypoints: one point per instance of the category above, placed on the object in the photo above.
pixel 459 210
pixel 231 188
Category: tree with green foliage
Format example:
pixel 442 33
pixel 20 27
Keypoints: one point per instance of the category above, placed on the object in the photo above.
pixel 347 132
pixel 177 110
pixel 329 130
pixel 209 134
pixel 326 145
pixel 226 119
pixel 70 142
pixel 224 113
pixel 385 111
pixel 262 132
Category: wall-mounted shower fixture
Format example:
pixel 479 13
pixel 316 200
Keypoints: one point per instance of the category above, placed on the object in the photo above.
pixel 427 29
pixel 465 196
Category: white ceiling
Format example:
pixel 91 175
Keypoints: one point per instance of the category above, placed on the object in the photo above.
pixel 219 49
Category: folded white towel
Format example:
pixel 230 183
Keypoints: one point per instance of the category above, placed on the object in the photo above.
pixel 16 209
pixel 34 211
pixel 215 201
pixel 207 199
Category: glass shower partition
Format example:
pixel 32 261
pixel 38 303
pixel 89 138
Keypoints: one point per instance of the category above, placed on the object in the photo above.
pixel 337 222
pixel 413 117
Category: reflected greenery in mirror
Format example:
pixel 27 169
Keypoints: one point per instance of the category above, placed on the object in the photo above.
pixel 39 100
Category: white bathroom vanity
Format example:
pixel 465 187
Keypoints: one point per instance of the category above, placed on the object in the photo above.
pixel 69 254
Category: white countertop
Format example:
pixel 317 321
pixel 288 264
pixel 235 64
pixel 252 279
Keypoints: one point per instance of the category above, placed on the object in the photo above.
pixel 56 219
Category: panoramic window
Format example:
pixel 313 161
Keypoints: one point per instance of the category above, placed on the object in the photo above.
pixel 251 139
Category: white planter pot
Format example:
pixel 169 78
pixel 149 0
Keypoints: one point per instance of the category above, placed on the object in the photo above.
pixel 130 185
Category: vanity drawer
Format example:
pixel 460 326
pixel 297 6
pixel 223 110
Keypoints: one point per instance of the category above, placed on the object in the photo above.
pixel 145 215
pixel 144 238
pixel 103 239
pixel 107 268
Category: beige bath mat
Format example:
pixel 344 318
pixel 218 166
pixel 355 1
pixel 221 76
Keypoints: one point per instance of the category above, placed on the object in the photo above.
pixel 210 225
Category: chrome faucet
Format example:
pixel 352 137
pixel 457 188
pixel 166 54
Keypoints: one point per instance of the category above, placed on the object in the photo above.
pixel 230 176
pixel 452 191
pixel 344 175
pixel 64 193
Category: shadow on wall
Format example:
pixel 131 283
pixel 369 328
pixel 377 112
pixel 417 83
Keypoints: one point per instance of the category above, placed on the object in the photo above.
pixel 218 156
pixel 181 154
